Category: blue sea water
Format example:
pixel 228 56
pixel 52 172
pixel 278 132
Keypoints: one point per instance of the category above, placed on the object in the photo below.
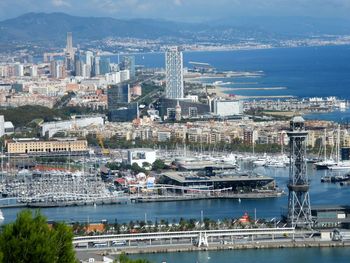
pixel 304 71
pixel 298 255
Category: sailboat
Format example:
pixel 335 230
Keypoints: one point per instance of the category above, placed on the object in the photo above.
pixel 340 164
pixel 325 162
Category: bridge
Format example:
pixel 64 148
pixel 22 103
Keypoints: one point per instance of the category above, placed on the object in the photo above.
pixel 199 237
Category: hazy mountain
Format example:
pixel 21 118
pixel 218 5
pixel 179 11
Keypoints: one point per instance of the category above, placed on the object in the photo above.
pixel 53 27
pixel 42 26
pixel 290 26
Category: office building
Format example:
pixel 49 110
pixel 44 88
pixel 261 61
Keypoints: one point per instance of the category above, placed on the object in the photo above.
pixel 174 74
pixel 128 63
pixel 104 66
pixel 96 66
pixel 128 113
pixel 19 70
pixel 69 58
pixel 118 95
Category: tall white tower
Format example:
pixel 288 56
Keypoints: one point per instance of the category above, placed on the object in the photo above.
pixel 174 74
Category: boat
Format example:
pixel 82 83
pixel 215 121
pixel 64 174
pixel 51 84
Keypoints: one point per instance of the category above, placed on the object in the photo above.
pixel 322 165
pixel 2 218
pixel 339 165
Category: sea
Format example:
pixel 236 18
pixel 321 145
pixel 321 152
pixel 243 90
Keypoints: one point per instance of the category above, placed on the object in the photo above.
pixel 303 72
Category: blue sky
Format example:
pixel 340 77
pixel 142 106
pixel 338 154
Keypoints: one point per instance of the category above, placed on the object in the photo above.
pixel 185 10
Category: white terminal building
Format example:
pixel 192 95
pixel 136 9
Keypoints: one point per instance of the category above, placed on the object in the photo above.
pixel 228 107
pixel 174 88
pixel 141 155
pixel 50 128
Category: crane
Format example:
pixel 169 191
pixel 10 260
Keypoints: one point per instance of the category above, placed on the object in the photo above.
pixel 99 138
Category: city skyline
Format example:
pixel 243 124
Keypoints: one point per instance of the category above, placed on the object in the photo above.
pixel 179 10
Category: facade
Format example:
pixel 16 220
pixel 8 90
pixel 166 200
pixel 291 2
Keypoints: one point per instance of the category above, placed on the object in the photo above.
pixel 2 125
pixel 174 74
pixel 104 66
pixel 129 64
pixel 118 95
pixel 228 107
pixel 188 109
pixel 36 146
pixel 50 128
pixel 128 113
pixel 141 155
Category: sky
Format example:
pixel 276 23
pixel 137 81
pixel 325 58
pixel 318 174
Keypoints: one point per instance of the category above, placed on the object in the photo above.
pixel 179 10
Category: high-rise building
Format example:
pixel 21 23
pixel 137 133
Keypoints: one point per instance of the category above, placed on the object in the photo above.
pixel 19 70
pixel 69 45
pixel 118 95
pixel 96 66
pixel 34 71
pixel 78 65
pixel 69 59
pixel 89 61
pixel 174 74
pixel 129 64
pixel 105 66
pixel 57 69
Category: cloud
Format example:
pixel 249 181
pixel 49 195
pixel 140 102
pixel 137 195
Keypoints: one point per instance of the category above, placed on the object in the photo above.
pixel 183 10
pixel 61 3
pixel 178 2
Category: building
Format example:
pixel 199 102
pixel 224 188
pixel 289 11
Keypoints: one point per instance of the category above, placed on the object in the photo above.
pixel 141 155
pixel 2 125
pixel 118 95
pixel 36 147
pixel 128 113
pixel 188 109
pixel 128 63
pixel 174 74
pixel 228 107
pixel 50 128
pixel 96 66
pixel 234 182
pixel 331 216
pixel 104 65
pixel 69 56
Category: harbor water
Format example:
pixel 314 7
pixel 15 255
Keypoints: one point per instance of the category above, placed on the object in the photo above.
pixel 286 255
pixel 321 193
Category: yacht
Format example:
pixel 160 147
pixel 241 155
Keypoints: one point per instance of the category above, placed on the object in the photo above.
pixel 339 165
pixel 322 165
pixel 1 216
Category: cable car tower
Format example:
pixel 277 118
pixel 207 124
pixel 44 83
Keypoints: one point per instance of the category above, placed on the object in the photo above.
pixel 299 209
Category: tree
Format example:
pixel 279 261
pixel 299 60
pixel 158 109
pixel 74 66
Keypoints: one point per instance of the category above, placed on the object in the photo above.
pixel 30 239
pixel 158 165
pixel 125 259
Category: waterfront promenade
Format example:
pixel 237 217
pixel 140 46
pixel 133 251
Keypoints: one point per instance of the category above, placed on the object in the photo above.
pixel 206 240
